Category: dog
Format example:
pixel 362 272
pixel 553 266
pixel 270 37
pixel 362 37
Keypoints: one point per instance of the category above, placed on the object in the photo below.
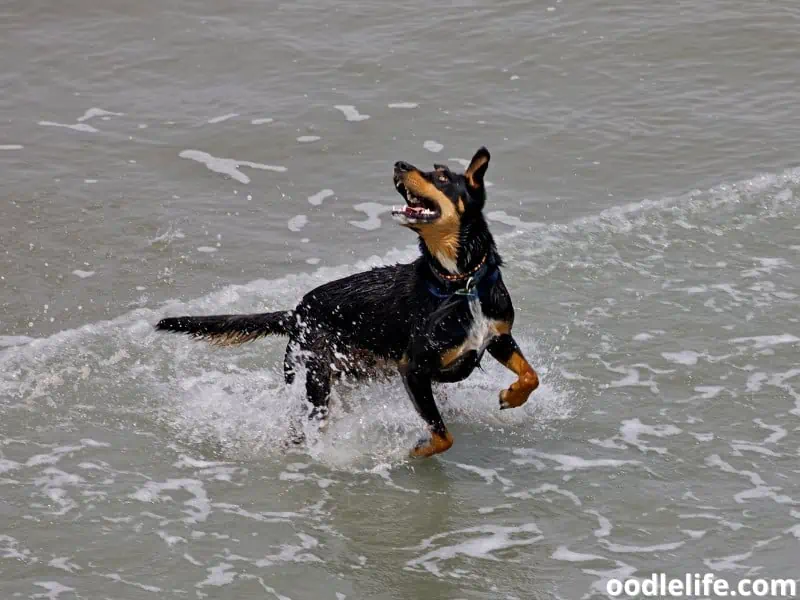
pixel 432 319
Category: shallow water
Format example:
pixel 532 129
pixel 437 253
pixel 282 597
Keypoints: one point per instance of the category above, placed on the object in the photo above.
pixel 204 158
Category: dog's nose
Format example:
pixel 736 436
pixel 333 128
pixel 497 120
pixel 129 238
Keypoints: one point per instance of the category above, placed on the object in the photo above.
pixel 402 166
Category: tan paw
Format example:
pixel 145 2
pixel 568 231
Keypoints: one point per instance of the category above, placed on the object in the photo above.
pixel 518 392
pixel 433 445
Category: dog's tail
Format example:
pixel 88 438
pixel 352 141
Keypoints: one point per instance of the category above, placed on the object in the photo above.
pixel 229 330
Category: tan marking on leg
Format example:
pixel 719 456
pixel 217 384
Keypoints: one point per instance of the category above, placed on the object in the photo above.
pixel 527 380
pixel 402 364
pixel 436 445
pixel 493 329
pixel 450 356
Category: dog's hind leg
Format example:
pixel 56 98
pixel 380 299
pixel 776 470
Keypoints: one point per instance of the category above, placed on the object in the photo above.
pixel 418 386
pixel 290 362
pixel 318 385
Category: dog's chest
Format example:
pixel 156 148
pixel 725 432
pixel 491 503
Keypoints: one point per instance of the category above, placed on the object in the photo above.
pixel 479 333
pixel 482 329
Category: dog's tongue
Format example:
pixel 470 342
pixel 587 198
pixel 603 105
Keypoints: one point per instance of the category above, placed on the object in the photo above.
pixel 409 211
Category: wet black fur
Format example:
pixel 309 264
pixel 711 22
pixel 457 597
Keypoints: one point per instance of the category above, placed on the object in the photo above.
pixel 406 314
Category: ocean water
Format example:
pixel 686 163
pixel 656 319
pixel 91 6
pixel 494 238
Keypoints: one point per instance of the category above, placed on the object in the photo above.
pixel 204 158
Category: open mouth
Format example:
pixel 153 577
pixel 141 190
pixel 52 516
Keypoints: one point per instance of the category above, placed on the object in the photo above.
pixel 417 209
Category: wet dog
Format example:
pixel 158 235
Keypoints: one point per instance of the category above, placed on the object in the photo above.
pixel 433 318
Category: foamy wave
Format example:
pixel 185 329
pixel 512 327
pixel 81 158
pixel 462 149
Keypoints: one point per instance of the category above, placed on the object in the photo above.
pixel 234 401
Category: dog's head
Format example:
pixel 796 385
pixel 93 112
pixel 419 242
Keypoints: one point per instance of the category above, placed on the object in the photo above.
pixel 439 202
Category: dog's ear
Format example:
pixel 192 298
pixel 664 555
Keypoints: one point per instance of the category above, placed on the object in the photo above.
pixel 477 168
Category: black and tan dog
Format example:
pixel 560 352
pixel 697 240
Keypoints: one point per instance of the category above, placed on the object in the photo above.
pixel 433 318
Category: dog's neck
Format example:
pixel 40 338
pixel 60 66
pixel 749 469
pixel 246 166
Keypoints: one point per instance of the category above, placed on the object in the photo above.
pixel 475 246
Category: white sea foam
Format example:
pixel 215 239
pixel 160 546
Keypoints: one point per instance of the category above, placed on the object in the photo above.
pixel 733 526
pixel 487 510
pixel 119 579
pixel 626 549
pixel 65 564
pixel 297 222
pixel 170 540
pixel 480 543
pixel 432 146
pixel 319 197
pixel 739 447
pixel 488 475
pixel 98 112
pixel 567 462
pixel 760 342
pixel 198 507
pixel 632 429
pixel 219 575
pixel 168 236
pixel 760 489
pixel 684 357
pixel 707 392
pixel 7 465
pixel 293 553
pixel 59 452
pixel 778 432
pixel 53 484
pixel 373 211
pixel 7 341
pixel 728 563
pixel 228 166
pixel 632 378
pixel 403 105
pixel 83 127
pixel 53 589
pixel 767 265
pixel 12 548
pixel 621 572
pixel 350 113
pixel 222 118
pixel 604 528
pixel 547 488
pixel 565 554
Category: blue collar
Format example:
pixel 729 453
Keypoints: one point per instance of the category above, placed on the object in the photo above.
pixel 473 287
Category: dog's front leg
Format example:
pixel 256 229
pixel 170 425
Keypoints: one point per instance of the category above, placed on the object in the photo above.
pixel 418 386
pixel 505 350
